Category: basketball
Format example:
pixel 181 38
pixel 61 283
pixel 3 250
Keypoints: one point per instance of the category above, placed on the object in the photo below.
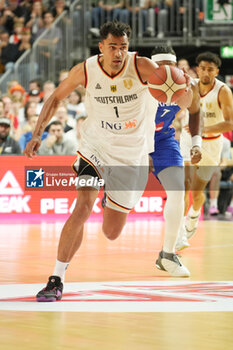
pixel 167 84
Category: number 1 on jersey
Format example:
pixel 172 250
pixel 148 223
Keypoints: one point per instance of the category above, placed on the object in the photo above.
pixel 116 110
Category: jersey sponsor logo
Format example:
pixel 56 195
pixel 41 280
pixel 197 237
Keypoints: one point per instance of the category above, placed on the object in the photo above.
pixel 115 99
pixel 209 105
pixel 209 115
pixel 111 126
pixel 158 127
pixel 128 83
pixel 98 86
pixel 129 124
pixel 35 178
pixel 113 88
pixel 125 296
pixel 95 160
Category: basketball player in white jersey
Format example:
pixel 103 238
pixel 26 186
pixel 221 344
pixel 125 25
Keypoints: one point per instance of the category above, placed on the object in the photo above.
pixel 217 108
pixel 114 134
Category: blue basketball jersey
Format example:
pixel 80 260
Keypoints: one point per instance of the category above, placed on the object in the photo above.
pixel 163 120
pixel 166 147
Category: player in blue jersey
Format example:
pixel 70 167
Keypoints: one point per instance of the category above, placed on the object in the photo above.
pixel 168 163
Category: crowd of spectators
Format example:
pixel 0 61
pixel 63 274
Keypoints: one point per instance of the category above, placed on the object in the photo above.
pixel 23 21
pixel 152 16
pixel 20 109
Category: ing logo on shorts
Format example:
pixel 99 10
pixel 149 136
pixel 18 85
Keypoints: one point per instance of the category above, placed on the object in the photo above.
pixel 35 178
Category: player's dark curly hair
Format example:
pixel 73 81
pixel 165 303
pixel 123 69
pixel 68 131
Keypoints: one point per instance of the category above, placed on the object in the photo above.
pixel 163 49
pixel 115 28
pixel 209 57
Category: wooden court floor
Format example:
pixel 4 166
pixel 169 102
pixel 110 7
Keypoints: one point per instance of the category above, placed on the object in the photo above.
pixel 27 256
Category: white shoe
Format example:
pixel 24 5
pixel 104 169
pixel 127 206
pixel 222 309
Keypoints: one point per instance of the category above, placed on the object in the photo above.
pixel 169 262
pixel 191 224
pixel 182 241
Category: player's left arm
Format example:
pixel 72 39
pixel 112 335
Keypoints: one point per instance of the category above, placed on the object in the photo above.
pixel 145 67
pixel 226 104
pixel 195 125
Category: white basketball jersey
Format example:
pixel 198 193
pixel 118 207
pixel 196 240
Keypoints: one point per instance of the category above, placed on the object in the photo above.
pixel 212 114
pixel 116 108
pixel 210 107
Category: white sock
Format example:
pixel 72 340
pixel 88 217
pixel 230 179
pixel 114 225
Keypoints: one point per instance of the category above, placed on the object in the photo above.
pixel 182 229
pixel 213 202
pixel 172 179
pixel 60 269
pixel 193 212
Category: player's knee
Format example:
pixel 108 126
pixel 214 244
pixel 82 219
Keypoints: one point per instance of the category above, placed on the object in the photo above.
pixel 83 209
pixel 187 184
pixel 111 232
pixel 218 174
pixel 175 196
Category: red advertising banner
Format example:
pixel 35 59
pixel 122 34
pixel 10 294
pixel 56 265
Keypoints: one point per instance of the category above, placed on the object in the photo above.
pixel 22 189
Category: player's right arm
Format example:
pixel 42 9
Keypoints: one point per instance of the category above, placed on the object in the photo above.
pixel 76 77
pixel 195 125
pixel 195 120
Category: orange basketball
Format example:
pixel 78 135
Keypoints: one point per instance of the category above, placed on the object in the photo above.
pixel 167 84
